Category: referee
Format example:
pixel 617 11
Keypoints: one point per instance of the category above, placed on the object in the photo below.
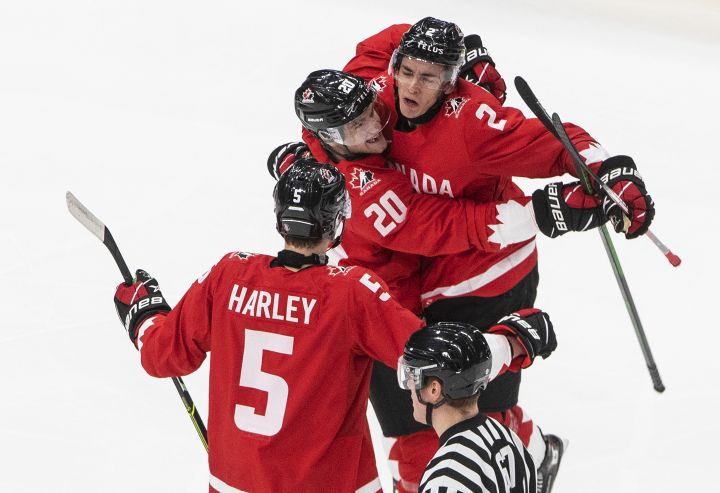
pixel 446 366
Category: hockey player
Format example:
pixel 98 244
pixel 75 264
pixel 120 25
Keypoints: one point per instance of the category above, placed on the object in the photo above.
pixel 292 340
pixel 446 366
pixel 453 139
pixel 344 124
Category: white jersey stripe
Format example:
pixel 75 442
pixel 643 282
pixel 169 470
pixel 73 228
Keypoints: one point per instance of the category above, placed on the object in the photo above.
pixel 481 462
pixel 493 273
pixel 486 435
pixel 466 461
pixel 372 487
pixel 335 255
pixel 495 426
pixel 493 429
pixel 475 438
pixel 222 486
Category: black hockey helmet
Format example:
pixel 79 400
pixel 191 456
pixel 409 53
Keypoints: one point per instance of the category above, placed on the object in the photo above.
pixel 311 201
pixel 456 353
pixel 329 99
pixel 434 41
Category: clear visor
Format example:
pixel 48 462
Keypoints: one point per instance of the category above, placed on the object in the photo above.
pixel 429 75
pixel 343 216
pixel 411 377
pixel 366 128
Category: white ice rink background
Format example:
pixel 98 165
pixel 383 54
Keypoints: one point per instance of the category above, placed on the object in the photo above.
pixel 159 116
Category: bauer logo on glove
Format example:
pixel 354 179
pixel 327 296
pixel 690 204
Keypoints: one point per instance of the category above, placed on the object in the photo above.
pixel 138 301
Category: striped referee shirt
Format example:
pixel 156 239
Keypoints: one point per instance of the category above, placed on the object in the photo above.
pixel 479 455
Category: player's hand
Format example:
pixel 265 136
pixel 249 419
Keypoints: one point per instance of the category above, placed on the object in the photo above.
pixel 621 175
pixel 280 159
pixel 479 68
pixel 138 301
pixel 562 207
pixel 532 328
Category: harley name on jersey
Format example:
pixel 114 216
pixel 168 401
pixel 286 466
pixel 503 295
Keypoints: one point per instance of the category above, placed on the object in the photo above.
pixel 271 306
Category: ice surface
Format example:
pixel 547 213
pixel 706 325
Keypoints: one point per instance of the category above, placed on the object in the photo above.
pixel 159 115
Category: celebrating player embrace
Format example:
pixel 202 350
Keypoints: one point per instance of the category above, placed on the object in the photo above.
pixel 292 340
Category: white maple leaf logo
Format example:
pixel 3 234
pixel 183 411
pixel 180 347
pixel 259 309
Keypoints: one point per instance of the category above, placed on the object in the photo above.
pixel 379 83
pixel 334 270
pixel 516 223
pixel 595 153
pixel 454 106
pixel 361 178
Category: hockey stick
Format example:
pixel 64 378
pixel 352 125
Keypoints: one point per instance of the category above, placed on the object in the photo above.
pixel 555 127
pixel 98 228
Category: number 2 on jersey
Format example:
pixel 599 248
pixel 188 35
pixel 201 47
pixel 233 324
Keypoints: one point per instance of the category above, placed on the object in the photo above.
pixel 252 376
pixel 391 205
pixel 483 110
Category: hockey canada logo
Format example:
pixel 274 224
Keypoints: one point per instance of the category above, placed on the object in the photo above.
pixel 242 255
pixel 308 96
pixel 363 179
pixel 379 83
pixel 336 270
pixel 454 106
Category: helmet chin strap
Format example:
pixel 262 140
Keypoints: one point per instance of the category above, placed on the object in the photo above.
pixel 429 406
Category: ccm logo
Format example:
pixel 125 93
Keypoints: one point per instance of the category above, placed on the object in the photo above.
pixel 554 201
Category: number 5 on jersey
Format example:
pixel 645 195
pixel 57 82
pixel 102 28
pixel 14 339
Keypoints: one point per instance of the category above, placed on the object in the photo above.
pixel 389 204
pixel 252 376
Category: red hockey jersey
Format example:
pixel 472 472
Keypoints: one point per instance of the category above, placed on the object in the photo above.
pixel 471 149
pixel 391 224
pixel 289 375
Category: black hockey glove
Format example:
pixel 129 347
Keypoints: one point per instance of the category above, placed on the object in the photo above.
pixel 533 329
pixel 280 159
pixel 479 68
pixel 562 207
pixel 621 175
pixel 138 301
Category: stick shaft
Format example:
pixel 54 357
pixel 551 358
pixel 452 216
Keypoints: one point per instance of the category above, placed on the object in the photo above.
pixel 554 126
pixel 98 228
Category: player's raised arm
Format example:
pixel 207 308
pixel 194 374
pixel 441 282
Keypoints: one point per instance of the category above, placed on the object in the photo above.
pixel 171 342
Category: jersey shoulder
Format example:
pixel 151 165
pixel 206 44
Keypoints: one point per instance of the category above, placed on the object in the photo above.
pixel 234 261
pixel 352 276
pixel 466 102
pixel 368 174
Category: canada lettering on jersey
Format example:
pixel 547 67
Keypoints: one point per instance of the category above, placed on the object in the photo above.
pixel 271 306
pixel 425 183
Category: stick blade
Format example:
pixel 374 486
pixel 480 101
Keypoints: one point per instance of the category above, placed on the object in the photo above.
pixel 85 217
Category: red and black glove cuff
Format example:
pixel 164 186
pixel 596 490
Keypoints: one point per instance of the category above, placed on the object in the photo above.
pixel 621 175
pixel 138 301
pixel 533 330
